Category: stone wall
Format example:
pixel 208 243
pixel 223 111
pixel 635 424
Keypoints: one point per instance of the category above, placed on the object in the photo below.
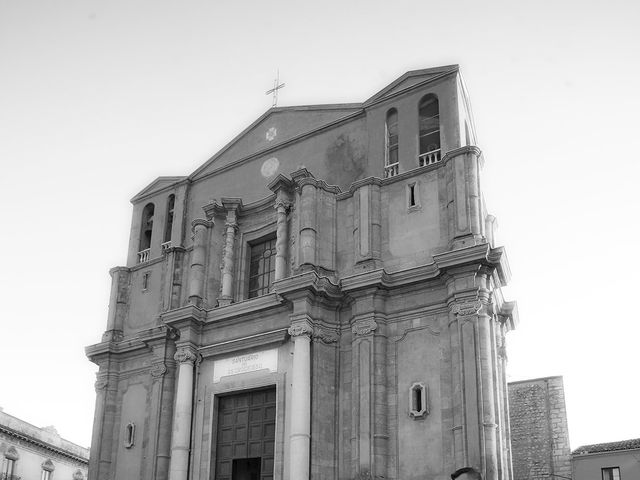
pixel 539 431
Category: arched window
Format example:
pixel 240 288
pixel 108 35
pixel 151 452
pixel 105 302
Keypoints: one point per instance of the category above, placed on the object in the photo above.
pixel 429 118
pixel 146 229
pixel 47 468
pixel 168 224
pixel 391 144
pixel 11 456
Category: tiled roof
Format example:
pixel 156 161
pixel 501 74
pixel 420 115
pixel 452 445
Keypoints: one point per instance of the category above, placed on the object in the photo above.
pixel 608 447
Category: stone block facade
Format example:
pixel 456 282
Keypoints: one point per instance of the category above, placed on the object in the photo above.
pixel 539 431
pixel 320 300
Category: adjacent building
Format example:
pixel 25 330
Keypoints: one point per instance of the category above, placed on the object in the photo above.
pixel 28 452
pixel 607 461
pixel 539 431
pixel 321 299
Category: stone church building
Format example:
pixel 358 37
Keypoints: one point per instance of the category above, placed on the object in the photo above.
pixel 319 300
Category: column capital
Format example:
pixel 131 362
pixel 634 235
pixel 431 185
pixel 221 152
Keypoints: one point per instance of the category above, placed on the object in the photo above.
pixel 282 204
pixel 201 222
pixel 186 354
pixel 301 328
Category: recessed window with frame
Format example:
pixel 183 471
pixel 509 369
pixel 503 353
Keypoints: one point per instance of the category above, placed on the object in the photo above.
pixel 611 473
pixel 429 118
pixel 262 266
pixel 391 159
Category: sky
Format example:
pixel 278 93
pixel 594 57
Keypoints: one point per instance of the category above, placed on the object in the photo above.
pixel 98 98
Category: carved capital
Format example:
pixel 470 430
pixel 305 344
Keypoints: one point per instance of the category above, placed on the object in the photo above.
pixel 364 327
pixel 326 335
pixel 158 370
pixel 200 223
pixel 231 226
pixel 466 309
pixel 185 355
pixel 300 329
pixel 101 384
pixel 283 204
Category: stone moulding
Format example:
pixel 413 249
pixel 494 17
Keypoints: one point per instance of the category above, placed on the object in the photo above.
pixel 259 340
pixel 466 309
pixel 326 335
pixel 364 327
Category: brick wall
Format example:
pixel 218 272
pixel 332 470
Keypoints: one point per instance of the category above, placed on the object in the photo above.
pixel 539 432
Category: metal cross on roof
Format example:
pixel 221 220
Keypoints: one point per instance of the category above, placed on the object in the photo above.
pixel 276 86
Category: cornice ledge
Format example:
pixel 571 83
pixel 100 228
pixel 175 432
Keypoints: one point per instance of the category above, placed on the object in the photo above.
pixel 469 149
pixel 463 256
pixel 303 177
pixel 387 280
pixel 244 307
pixel 188 312
pixel 498 256
pixel 106 348
pixel 310 281
pixel 508 315
pixel 260 340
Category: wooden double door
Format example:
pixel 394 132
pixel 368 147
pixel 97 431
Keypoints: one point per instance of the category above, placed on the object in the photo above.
pixel 246 435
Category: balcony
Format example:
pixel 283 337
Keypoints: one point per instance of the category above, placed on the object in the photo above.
pixel 165 246
pixel 143 256
pixel 8 476
pixel 391 170
pixel 429 158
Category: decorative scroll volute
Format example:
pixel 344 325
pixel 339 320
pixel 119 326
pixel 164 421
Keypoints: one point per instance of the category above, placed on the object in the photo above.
pixel 326 335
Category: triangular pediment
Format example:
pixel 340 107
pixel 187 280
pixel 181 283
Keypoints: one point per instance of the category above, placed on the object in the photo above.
pixel 157 185
pixel 411 79
pixel 277 126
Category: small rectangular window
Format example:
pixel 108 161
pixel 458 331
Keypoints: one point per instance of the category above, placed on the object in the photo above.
pixel 145 281
pixel 262 267
pixel 611 473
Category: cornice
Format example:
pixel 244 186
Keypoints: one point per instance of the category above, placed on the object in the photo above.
pixel 468 149
pixel 308 281
pixel 215 209
pixel 237 344
pixel 187 314
pixel 42 444
pixel 138 342
pixel 245 307
pixel 179 181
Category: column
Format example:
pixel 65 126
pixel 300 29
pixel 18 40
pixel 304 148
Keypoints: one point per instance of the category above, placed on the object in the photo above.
pixel 186 357
pixel 282 187
pixel 282 239
pixel 198 255
pixel 227 261
pixel 300 437
pixel 308 224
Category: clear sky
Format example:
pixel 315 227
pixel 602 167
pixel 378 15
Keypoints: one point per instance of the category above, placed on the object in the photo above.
pixel 97 98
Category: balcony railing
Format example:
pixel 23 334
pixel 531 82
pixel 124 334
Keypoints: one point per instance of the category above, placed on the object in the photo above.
pixel 8 476
pixel 429 158
pixel 391 170
pixel 143 256
pixel 165 246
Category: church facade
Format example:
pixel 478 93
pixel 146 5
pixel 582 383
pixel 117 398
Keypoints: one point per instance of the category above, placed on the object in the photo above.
pixel 320 300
